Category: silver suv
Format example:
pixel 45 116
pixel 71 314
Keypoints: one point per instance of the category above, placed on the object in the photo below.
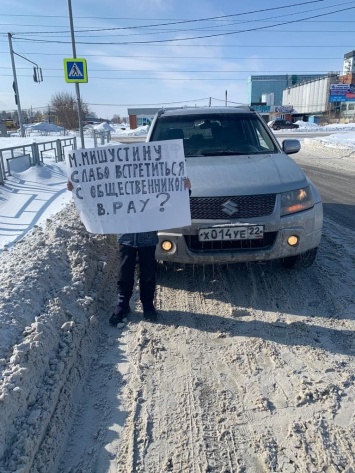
pixel 250 201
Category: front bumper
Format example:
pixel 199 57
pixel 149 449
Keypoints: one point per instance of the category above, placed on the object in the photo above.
pixel 306 225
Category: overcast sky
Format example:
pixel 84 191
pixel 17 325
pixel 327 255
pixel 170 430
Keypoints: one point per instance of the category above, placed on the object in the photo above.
pixel 152 53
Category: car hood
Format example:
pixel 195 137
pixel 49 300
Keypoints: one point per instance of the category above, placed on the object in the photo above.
pixel 243 175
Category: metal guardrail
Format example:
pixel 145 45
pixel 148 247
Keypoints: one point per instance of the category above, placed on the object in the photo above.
pixel 35 153
pixel 102 135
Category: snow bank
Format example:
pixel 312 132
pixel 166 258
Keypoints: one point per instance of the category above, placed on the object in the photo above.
pixel 337 141
pixel 140 131
pixel 51 283
pixel 104 126
pixel 45 126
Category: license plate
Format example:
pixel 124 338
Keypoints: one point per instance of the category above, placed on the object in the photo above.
pixel 245 232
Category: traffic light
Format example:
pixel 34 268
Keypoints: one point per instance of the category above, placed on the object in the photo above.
pixel 37 74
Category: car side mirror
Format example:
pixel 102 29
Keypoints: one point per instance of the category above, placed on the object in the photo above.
pixel 291 146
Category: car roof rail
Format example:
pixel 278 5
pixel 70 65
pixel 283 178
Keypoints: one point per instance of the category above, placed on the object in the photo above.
pixel 247 107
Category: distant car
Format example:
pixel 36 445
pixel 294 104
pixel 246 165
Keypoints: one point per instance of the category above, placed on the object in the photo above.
pixel 250 201
pixel 282 124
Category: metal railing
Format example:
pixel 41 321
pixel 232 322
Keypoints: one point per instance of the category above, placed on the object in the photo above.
pixel 103 135
pixel 35 153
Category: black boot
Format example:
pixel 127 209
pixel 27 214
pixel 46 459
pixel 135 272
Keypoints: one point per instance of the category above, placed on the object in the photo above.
pixel 149 313
pixel 119 317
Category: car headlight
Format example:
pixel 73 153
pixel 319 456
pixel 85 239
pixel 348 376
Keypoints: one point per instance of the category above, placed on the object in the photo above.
pixel 296 201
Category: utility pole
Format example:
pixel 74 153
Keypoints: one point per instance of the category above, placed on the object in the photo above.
pixel 76 84
pixel 37 77
pixel 15 86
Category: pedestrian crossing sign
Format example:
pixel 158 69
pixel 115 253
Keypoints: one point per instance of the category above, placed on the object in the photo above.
pixel 75 70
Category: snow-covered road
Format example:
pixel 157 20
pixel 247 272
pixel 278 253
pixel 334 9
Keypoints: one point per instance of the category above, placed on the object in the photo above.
pixel 250 368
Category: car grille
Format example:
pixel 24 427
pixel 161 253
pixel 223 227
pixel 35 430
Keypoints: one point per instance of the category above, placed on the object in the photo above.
pixel 213 208
pixel 265 243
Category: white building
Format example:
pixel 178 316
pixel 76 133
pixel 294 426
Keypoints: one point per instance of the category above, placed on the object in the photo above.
pixel 311 97
pixel 349 63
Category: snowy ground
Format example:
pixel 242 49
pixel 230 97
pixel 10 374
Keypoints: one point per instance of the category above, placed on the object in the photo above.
pixel 249 369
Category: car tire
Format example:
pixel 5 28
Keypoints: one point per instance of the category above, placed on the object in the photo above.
pixel 276 128
pixel 302 261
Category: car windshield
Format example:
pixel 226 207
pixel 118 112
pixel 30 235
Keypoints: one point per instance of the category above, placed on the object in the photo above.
pixel 216 135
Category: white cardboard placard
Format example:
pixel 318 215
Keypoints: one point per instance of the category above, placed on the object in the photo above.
pixel 130 188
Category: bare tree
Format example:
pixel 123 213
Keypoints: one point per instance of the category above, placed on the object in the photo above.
pixel 37 117
pixel 64 107
pixel 116 119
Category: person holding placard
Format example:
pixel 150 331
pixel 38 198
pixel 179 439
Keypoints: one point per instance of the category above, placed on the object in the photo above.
pixel 133 246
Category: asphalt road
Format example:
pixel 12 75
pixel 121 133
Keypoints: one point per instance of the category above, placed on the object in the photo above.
pixel 338 194
pixel 333 172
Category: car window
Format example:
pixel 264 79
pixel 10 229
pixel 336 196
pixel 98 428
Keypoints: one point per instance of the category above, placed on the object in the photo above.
pixel 217 134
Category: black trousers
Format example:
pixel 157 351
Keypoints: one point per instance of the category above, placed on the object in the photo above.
pixel 147 269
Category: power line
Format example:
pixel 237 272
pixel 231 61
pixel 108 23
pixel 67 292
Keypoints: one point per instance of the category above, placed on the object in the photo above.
pixel 162 103
pixel 228 31
pixel 159 104
pixel 195 37
pixel 184 22
pixel 239 46
pixel 146 104
pixel 180 57
pixel 78 30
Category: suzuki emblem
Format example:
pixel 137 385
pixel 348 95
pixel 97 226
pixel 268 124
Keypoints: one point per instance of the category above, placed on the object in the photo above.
pixel 230 208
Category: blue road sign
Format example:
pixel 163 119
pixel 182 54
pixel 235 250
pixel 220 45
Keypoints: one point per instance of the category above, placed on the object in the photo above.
pixel 75 70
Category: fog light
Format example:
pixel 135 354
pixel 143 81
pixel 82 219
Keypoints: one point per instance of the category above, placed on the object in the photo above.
pixel 293 240
pixel 166 245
